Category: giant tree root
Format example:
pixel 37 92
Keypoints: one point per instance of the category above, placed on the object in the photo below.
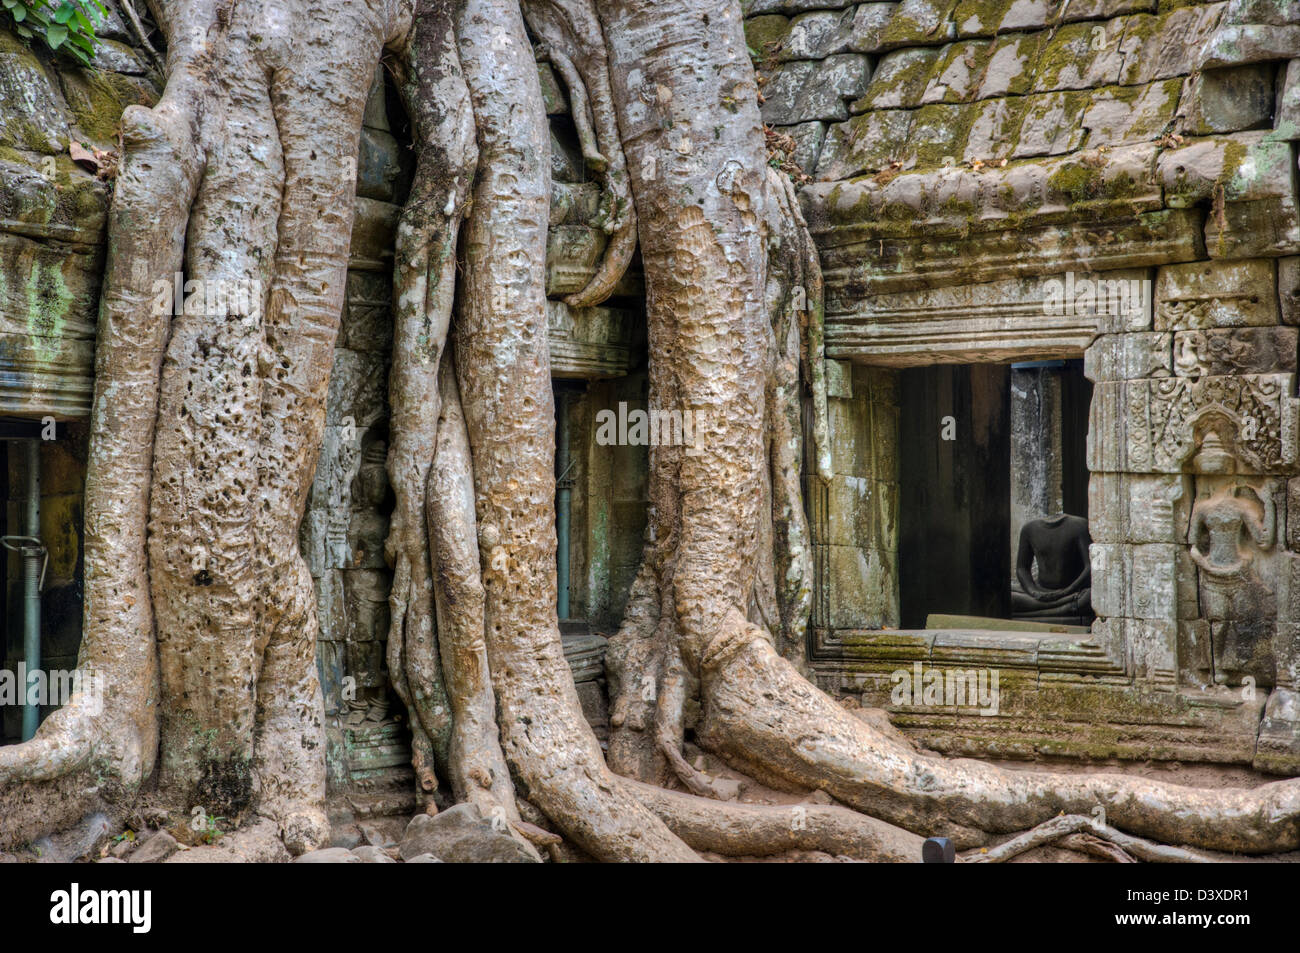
pixel 761 716
pixel 758 830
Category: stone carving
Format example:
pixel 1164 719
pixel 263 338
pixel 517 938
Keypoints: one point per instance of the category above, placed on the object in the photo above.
pixel 1256 410
pixel 1059 546
pixel 1232 529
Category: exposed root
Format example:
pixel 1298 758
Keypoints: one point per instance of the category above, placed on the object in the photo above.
pixel 745 830
pixel 814 742
pixel 1074 825
pixel 574 42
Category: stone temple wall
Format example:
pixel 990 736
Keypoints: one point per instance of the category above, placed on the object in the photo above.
pixel 1012 180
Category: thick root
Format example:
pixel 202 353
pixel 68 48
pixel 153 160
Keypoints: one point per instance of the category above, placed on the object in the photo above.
pixel 759 830
pixel 762 716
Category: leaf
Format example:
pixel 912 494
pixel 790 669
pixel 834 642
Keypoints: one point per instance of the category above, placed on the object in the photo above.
pixel 65 12
pixel 83 156
pixel 20 14
pixel 56 33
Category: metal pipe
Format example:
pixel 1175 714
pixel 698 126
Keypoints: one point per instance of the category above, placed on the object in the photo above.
pixel 32 560
pixel 563 502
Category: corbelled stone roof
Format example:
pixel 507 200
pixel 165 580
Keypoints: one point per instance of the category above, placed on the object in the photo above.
pixel 998 121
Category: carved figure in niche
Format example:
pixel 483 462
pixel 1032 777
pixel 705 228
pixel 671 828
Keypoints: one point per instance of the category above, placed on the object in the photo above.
pixel 1233 524
pixel 1226 519
pixel 1058 545
pixel 367 589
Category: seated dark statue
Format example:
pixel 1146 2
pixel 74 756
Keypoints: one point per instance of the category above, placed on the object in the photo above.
pixel 1059 545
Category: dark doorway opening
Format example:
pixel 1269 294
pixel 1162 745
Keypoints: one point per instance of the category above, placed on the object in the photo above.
pixel 985 449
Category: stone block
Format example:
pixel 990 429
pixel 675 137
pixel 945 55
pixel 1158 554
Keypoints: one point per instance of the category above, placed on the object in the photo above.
pixel 900 80
pixel 1227 351
pixel 956 75
pixel 862 590
pixel 1165 45
pixel 1288 289
pixel 1051 124
pixel 358 388
pixel 920 23
pixel 367 320
pixel 866 143
pixel 1080 56
pixel 992 134
pixel 1127 356
pixel 1286 116
pixel 1151 426
pixel 1194 649
pixel 1228 100
pixel 938 136
pixel 1235 44
pixel 1010 66
pixel 817 35
pixel 839 379
pixel 807 90
pixel 1153 649
pixel 553 97
pixel 1278 748
pixel 1137 508
pixel 1123 114
pixel 32 110
pixel 868 27
pixel 1206 294
pixel 809 137
pixel 1028 15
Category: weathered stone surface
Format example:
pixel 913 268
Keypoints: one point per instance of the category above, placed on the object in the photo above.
pixel 552 92
pixel 807 90
pixel 1104 9
pixel 957 74
pixel 1027 15
pixel 1138 508
pixel 1228 100
pixel 1114 357
pixel 1250 43
pixel 424 859
pixel 157 848
pixel 1288 289
pixel 815 36
pixel 869 23
pixel 920 23
pixel 1235 351
pixel 1051 124
pixel 371 855
pixel 866 143
pixel 460 835
pixel 809 137
pixel 1286 122
pixel 33 115
pixel 1278 750
pixel 1009 70
pixel 1124 114
pixel 1151 426
pixel 1215 295
pixel 1165 45
pixel 899 81
pixel 1081 56
pixel 329 855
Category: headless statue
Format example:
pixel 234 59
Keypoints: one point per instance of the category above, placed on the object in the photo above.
pixel 1059 545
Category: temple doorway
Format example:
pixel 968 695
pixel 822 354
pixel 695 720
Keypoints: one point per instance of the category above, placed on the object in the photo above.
pixel 993 478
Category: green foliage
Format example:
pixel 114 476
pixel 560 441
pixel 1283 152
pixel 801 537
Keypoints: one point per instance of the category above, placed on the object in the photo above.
pixel 66 26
